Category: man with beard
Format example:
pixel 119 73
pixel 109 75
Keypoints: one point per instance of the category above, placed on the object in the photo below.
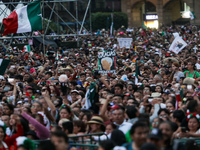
pixel 167 132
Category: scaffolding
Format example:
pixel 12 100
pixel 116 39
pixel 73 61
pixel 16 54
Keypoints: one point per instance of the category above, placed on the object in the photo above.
pixel 53 6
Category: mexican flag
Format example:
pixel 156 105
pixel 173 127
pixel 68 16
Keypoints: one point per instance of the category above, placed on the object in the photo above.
pixel 3 65
pixel 25 19
pixel 26 48
pixel 192 16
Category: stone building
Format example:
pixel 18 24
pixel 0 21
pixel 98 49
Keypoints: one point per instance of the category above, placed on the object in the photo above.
pixel 160 12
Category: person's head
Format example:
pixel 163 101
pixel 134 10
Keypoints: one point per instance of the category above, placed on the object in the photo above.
pixel 147 90
pixel 118 115
pixel 96 124
pixel 167 130
pixel 145 82
pixel 48 75
pixel 155 122
pixel 117 99
pixel 193 123
pixel 6 119
pixel 139 132
pixel 106 145
pixel 155 137
pixel 79 126
pixel 118 89
pixel 178 116
pixel 163 114
pixel 8 109
pixel 191 66
pixel 2 131
pixel 159 89
pixel 68 127
pixel 24 143
pixel 170 106
pixel 30 91
pixel 74 94
pixel 118 137
pixel 60 140
pixel 43 102
pixel 132 112
pixel 137 95
pixel 82 77
pixel 65 112
pixel 110 127
pixel 191 144
pixel 193 106
pixel 149 146
pixel 36 107
pixel 175 66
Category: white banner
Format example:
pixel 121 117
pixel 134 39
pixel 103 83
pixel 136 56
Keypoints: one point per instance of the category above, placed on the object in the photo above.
pixel 177 45
pixel 124 42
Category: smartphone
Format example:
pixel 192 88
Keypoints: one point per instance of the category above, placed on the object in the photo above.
pixel 183 129
pixel 10 80
pixel 150 99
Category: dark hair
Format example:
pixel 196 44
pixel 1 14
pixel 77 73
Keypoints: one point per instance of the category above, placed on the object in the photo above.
pixel 48 145
pixel 58 128
pixel 128 69
pixel 165 110
pixel 10 106
pixel 137 125
pixel 191 144
pixel 82 74
pixel 66 107
pixel 147 86
pixel 60 134
pixel 4 131
pixel 119 85
pixel 131 111
pixel 179 114
pixel 74 83
pixel 49 73
pixel 192 106
pixel 113 125
pixel 169 123
pixel 80 124
pixel 118 137
pixel 106 144
pixel 68 125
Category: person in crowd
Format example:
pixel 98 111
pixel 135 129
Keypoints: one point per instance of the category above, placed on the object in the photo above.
pixel 103 89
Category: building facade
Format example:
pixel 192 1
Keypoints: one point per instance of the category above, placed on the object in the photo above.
pixel 160 12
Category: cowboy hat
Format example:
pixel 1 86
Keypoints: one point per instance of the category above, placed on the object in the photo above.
pixel 68 68
pixel 190 81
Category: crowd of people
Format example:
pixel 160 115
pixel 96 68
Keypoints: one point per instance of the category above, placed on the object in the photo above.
pixel 59 95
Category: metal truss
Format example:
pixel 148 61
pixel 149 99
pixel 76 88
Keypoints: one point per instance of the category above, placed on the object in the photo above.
pixel 51 5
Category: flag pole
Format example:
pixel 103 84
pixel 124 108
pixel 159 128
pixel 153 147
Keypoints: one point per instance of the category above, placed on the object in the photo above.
pixel 43 28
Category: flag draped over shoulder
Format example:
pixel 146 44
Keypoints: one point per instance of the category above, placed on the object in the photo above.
pixel 3 65
pixel 25 19
pixel 91 98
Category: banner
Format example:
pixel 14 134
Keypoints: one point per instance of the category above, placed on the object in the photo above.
pixel 107 62
pixel 124 42
pixel 177 45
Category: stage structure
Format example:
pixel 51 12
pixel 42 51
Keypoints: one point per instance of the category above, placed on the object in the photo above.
pixel 54 6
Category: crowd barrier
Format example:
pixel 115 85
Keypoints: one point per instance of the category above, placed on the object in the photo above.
pixel 86 142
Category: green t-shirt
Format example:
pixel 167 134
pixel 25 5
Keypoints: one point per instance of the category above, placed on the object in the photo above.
pixel 194 75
